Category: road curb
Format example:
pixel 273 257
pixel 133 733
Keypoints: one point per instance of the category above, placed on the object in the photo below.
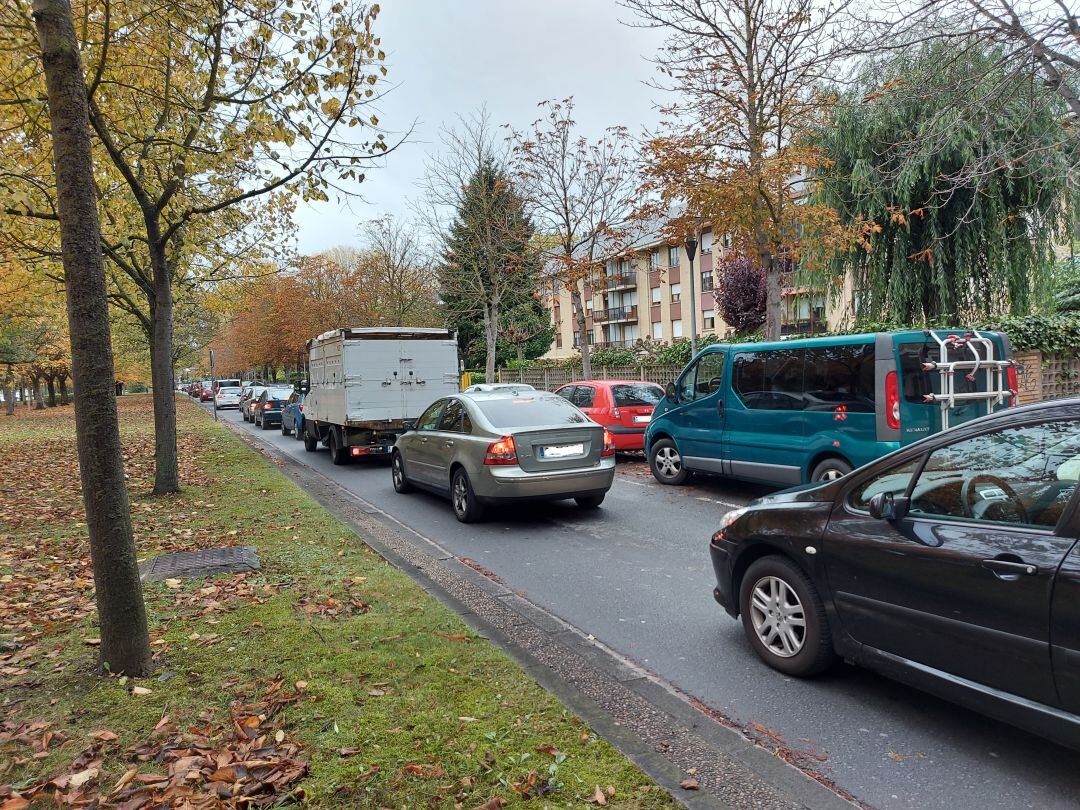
pixel 651 722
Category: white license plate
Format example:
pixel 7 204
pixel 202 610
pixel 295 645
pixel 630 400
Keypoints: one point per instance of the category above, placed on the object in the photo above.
pixel 562 450
pixel 642 420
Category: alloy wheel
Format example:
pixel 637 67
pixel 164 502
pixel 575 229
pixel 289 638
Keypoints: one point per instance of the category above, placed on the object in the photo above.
pixel 461 495
pixel 778 616
pixel 395 471
pixel 832 475
pixel 668 462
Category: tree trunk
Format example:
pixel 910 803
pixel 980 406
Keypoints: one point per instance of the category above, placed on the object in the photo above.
pixel 39 401
pixel 166 470
pixel 50 385
pixel 577 301
pixel 9 392
pixel 491 334
pixel 773 304
pixel 63 389
pixel 125 644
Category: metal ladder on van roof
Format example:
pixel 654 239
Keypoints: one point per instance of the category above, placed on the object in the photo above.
pixel 995 370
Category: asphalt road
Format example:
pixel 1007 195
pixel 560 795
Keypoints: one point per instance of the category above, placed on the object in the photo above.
pixel 636 575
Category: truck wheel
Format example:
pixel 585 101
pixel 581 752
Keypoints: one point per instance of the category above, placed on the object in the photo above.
pixel 466 508
pixel 311 443
pixel 397 472
pixel 338 455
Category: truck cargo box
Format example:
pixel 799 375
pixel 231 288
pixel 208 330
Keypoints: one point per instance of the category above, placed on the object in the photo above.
pixel 378 377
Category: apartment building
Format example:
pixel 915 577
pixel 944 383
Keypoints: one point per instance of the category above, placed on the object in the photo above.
pixel 646 296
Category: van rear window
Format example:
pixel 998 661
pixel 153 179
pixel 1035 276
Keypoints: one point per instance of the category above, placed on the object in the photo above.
pixel 829 378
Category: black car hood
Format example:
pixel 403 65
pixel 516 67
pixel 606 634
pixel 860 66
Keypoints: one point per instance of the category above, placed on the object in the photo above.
pixel 804 493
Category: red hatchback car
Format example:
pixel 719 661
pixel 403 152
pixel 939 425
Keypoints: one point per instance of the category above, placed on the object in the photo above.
pixel 624 407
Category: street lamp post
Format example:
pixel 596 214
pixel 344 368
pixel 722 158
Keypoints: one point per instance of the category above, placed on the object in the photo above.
pixel 691 251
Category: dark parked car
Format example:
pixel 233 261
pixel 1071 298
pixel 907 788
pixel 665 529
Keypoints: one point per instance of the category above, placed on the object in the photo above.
pixel 292 418
pixel 951 564
pixel 266 412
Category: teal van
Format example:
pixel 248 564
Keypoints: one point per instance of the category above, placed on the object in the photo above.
pixel 804 410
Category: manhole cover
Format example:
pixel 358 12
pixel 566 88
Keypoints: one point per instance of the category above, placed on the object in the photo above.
pixel 199 563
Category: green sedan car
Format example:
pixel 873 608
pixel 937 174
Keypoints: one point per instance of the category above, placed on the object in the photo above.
pixel 484 448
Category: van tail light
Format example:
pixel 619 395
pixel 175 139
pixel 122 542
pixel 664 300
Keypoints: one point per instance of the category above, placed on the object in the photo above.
pixel 609 444
pixel 892 400
pixel 1013 382
pixel 501 452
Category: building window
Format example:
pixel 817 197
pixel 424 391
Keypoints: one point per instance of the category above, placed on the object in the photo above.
pixel 588 305
pixel 673 256
pixel 658 331
pixel 624 266
pixel 708 319
pixel 706 242
pixel 654 294
pixel 706 281
pixel 676 329
pixel 676 293
pixel 654 260
pixel 558 338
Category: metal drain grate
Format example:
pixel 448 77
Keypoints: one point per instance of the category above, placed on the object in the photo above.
pixel 199 563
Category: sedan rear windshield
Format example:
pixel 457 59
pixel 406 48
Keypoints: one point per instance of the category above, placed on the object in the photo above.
pixel 229 390
pixel 279 393
pixel 528 411
pixel 629 396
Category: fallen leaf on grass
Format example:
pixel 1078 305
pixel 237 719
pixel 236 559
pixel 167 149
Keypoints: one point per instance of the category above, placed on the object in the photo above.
pixel 173 583
pixel 16 802
pixel 494 803
pixel 92 642
pixel 79 779
pixel 598 797
pixel 122 782
pixel 141 690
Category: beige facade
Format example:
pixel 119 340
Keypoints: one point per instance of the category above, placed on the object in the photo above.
pixel 646 297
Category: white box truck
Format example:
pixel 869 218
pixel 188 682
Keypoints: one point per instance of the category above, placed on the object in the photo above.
pixel 365 385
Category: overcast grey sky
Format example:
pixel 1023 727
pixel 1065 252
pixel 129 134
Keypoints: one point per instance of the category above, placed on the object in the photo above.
pixel 449 57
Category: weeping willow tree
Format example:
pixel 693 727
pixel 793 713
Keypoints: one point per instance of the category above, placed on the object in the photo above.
pixel 958 170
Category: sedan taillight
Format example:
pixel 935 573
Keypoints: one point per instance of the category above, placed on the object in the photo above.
pixel 501 452
pixel 609 444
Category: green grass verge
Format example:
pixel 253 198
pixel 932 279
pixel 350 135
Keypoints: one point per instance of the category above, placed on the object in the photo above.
pixel 400 682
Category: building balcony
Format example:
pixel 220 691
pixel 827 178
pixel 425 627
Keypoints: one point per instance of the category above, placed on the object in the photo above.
pixel 804 327
pixel 615 314
pixel 616 344
pixel 619 281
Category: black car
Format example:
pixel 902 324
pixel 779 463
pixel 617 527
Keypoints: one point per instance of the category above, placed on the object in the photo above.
pixel 266 412
pixel 951 564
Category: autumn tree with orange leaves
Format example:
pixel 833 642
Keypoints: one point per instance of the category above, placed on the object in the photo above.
pixel 733 152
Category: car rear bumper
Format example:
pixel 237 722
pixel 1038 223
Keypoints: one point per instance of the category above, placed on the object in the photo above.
pixel 628 438
pixel 514 483
pixel 723 561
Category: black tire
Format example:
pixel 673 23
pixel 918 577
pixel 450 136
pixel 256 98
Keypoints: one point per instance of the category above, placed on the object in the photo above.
pixel 338 454
pixel 666 463
pixel 265 425
pixel 311 443
pixel 397 473
pixel 829 469
pixel 243 413
pixel 804 653
pixel 591 501
pixel 467 508
pixel 284 430
pixel 299 433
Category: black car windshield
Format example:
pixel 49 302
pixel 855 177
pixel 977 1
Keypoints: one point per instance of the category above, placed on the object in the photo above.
pixel 526 410
pixel 635 394
pixel 280 394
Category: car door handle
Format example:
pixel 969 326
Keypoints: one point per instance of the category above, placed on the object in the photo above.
pixel 1014 567
pixel 423 439
pixel 449 443
pixel 720 407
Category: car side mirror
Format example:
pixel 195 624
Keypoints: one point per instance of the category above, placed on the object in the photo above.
pixel 886 506
pixel 670 393
pixel 409 424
